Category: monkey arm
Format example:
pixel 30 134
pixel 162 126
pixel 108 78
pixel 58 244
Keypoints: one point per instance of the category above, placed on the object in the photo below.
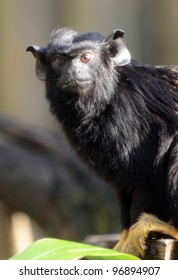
pixel 147 227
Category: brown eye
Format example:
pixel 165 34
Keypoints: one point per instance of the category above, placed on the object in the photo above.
pixel 86 57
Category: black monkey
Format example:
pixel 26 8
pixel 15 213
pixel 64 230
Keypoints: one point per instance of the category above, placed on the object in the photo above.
pixel 121 117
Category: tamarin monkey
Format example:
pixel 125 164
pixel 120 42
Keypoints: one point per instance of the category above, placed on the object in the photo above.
pixel 121 118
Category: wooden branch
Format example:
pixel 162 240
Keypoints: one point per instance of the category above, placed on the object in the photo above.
pixel 158 249
pixel 163 249
pixel 103 240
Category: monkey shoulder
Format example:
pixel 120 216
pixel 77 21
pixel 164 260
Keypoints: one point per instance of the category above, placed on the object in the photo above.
pixel 160 73
pixel 156 86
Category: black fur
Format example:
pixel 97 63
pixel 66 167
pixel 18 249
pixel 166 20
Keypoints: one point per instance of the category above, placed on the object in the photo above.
pixel 121 117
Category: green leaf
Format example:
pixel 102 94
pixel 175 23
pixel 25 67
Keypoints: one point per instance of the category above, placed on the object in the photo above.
pixel 56 249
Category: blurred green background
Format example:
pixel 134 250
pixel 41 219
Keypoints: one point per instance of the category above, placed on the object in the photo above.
pixel 151 36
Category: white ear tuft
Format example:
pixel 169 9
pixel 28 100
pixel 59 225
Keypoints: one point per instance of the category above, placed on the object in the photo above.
pixel 117 48
pixel 122 58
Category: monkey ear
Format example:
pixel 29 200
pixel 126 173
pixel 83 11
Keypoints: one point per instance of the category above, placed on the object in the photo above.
pixel 40 55
pixel 117 48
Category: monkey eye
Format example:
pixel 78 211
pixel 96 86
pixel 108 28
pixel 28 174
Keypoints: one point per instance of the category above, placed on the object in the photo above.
pixel 87 57
pixel 61 60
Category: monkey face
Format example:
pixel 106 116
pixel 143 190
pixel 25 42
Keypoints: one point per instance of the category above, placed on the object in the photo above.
pixel 74 73
pixel 74 61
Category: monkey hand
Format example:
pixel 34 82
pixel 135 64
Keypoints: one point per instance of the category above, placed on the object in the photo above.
pixel 134 241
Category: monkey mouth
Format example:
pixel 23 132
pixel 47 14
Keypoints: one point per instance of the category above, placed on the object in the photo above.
pixel 83 83
pixel 76 85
